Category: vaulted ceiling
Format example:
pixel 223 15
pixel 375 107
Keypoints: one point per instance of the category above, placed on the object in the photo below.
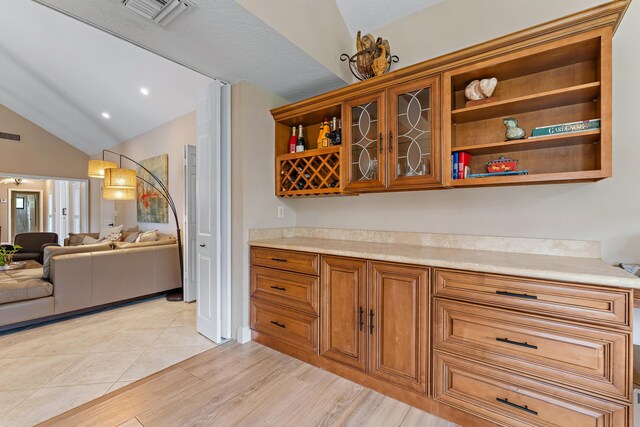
pixel 367 15
pixel 62 70
pixel 62 75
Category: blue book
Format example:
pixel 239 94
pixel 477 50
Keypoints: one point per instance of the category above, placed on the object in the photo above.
pixel 485 175
pixel 455 160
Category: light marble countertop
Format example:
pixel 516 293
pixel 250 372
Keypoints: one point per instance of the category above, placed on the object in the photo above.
pixel 551 267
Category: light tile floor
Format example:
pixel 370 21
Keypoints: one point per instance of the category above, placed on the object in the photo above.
pixel 50 368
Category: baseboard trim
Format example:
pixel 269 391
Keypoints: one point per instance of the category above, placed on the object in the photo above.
pixel 243 334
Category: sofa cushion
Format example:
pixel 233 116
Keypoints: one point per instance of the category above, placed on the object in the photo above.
pixel 22 285
pixel 126 245
pixel 64 250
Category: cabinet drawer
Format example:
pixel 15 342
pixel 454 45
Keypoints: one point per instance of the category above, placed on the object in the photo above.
pixel 568 301
pixel 298 262
pixel 508 399
pixel 298 329
pixel 577 356
pixel 297 291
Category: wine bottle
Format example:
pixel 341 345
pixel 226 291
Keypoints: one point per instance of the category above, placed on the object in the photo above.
pixel 320 136
pixel 325 132
pixel 293 140
pixel 300 145
pixel 335 131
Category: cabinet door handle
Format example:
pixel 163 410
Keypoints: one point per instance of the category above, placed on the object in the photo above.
pixel 390 141
pixel 524 408
pixel 278 324
pixel 511 294
pixel 361 319
pixel 279 288
pixel 279 260
pixel 521 344
pixel 371 322
pixel 380 142
pixel 202 245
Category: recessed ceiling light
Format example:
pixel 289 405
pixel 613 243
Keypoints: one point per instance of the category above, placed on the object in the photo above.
pixel 144 91
pixel 106 115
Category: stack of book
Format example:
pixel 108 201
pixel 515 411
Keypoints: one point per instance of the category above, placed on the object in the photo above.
pixel 460 165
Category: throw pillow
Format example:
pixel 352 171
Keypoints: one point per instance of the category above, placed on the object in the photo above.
pixel 132 237
pixel 114 237
pixel 88 240
pixel 148 236
pixel 104 233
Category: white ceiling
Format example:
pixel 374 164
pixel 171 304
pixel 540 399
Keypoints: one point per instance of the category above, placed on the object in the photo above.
pixel 367 15
pixel 219 38
pixel 62 74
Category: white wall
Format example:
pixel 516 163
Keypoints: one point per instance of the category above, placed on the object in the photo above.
pixel 455 24
pixel 254 204
pixel 169 138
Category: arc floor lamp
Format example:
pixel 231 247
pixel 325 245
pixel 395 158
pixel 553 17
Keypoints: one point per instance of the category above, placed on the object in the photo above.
pixel 120 184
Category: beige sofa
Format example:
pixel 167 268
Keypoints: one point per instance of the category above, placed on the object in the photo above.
pixel 92 276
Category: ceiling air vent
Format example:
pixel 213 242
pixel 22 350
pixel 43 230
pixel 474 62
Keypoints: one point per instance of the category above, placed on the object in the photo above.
pixel 159 11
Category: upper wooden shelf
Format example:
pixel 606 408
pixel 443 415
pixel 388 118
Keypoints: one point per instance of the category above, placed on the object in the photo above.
pixel 524 104
pixel 540 178
pixel 562 140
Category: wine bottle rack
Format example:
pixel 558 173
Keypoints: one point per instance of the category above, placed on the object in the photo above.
pixel 310 173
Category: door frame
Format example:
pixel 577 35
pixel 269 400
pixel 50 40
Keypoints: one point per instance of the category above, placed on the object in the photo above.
pixel 10 209
pixel 190 284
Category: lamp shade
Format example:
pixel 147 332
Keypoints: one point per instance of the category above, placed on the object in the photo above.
pixel 119 178
pixel 97 167
pixel 118 193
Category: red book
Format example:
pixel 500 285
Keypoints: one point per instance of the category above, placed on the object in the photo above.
pixel 464 159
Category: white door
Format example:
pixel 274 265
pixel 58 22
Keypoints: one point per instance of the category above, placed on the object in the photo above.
pixel 213 207
pixel 62 209
pixel 190 225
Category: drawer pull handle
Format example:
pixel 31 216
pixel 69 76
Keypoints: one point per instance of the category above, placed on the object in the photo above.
pixel 278 288
pixel 524 408
pixel 279 260
pixel 511 294
pixel 361 319
pixel 371 322
pixel 521 344
pixel 278 324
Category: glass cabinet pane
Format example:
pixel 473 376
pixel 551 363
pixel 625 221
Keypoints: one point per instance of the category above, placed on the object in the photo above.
pixel 364 142
pixel 413 130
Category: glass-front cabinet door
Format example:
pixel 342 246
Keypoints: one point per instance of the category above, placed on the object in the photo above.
pixel 413 141
pixel 365 143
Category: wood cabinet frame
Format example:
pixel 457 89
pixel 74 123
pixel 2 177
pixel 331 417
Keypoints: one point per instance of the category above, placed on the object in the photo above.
pixel 598 21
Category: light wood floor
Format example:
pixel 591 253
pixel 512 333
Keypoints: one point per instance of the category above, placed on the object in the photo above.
pixel 249 385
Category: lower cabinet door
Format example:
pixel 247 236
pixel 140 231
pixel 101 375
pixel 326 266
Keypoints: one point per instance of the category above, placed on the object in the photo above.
pixel 513 400
pixel 398 325
pixel 343 305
